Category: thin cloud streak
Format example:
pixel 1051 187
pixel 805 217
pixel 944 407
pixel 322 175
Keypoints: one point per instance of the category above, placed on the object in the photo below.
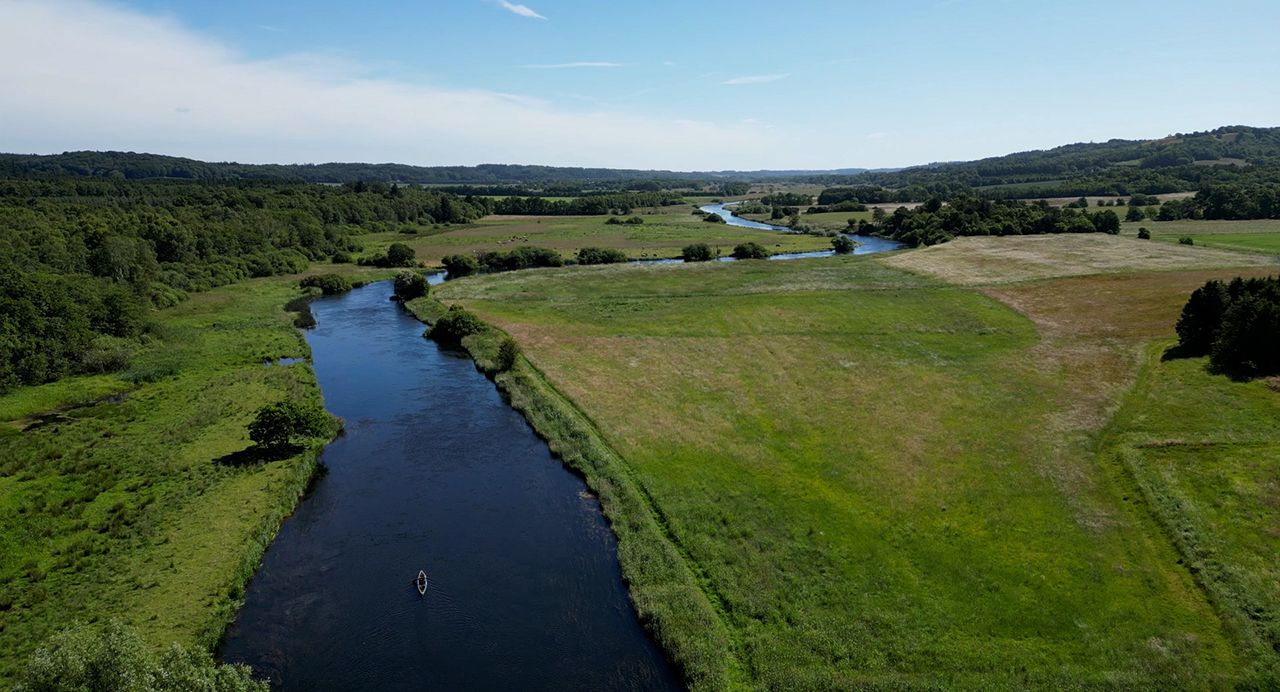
pixel 521 10
pixel 114 76
pixel 570 64
pixel 758 79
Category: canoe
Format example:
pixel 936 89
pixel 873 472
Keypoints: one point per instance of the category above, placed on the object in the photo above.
pixel 421 583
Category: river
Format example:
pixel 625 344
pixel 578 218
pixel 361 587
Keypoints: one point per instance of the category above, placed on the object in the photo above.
pixel 436 472
pixel 867 244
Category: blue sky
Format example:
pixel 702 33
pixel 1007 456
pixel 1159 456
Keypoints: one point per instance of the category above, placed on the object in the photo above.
pixel 656 84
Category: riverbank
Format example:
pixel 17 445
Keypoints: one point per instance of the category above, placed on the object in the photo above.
pixel 672 599
pixel 130 496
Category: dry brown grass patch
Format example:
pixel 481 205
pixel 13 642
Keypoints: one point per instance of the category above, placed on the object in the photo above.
pixel 976 261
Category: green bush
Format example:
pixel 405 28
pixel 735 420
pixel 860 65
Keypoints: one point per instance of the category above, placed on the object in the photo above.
pixel 843 245
pixel 117 659
pixel 523 257
pixel 1144 234
pixel 400 255
pixel 460 265
pixel 1135 213
pixel 508 352
pixel 1186 240
pixel 713 218
pixel 410 285
pixel 595 255
pixel 456 324
pixel 341 257
pixel 697 252
pixel 279 424
pixel 329 284
pixel 749 250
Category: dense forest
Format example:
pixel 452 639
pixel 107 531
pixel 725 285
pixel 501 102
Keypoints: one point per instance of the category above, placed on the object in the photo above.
pixel 583 206
pixel 83 261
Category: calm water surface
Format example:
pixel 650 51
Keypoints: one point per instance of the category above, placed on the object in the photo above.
pixel 867 245
pixel 436 472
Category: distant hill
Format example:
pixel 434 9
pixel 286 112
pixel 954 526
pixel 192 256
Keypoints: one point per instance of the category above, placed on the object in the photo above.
pixel 131 166
pixel 1176 163
pixel 1172 164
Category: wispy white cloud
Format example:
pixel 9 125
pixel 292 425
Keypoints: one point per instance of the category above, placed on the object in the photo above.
pixel 571 64
pixel 273 29
pixel 521 10
pixel 757 79
pixel 112 78
pixel 668 64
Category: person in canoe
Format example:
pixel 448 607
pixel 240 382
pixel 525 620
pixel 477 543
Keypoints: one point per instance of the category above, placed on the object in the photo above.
pixel 420 582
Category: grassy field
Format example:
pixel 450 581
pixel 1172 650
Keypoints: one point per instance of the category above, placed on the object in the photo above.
pixel 987 260
pixel 661 236
pixel 890 482
pixel 124 496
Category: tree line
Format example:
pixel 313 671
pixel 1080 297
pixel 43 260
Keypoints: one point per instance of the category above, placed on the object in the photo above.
pixel 583 206
pixel 934 222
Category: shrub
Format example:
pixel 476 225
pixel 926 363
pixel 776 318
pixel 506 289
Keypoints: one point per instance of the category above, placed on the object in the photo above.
pixel 698 252
pixel 745 251
pixel 1144 234
pixel 635 221
pixel 400 255
pixel 410 285
pixel 613 221
pixel 117 659
pixel 329 284
pixel 456 324
pixel 1135 213
pixel 1106 221
pixel 508 352
pixel 713 218
pixel 1186 240
pixel 341 257
pixel 279 424
pixel 595 255
pixel 843 245
pixel 521 258
pixel 460 265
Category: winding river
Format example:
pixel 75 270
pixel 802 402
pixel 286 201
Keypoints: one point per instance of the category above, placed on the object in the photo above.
pixel 866 244
pixel 436 472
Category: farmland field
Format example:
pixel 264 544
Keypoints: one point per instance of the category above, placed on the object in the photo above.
pixel 894 482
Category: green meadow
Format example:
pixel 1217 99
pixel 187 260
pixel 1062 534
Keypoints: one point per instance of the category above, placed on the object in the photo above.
pixel 130 496
pixel 662 235
pixel 885 481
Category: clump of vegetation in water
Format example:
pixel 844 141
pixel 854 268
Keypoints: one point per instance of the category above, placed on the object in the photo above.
pixel 457 324
pixel 329 284
pixel 843 245
pixel 1237 325
pixel 750 250
pixel 410 285
pixel 697 252
pixel 595 255
pixel 460 265
pixel 117 659
pixel 277 425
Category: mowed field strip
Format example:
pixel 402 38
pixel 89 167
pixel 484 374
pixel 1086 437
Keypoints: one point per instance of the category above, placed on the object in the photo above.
pixel 889 481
